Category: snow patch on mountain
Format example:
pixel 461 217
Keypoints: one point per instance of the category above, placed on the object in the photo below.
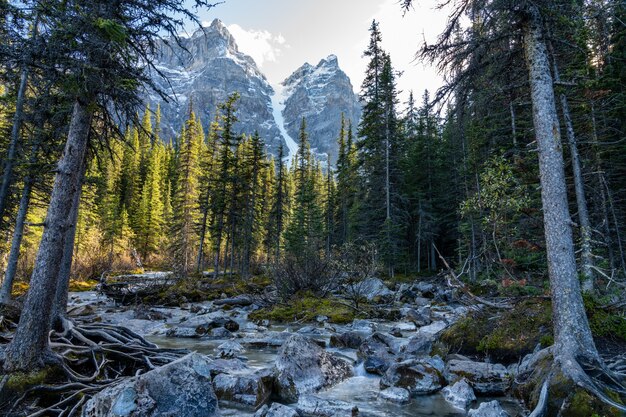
pixel 278 106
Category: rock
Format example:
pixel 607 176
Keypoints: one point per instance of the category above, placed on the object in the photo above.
pixel 376 366
pixel 312 405
pixel 183 332
pixel 395 394
pixel 395 332
pixel 239 300
pixel 230 366
pixel 151 314
pixel 427 289
pixel 418 376
pixel 228 324
pixel 220 333
pixel 350 340
pixel 421 316
pixel 485 378
pixel 81 311
pixel 421 301
pixel 490 409
pixel 371 288
pixel 304 367
pixel 376 353
pixel 364 326
pixel 252 390
pixel 181 388
pixel 276 410
pixel 229 350
pixel 268 339
pixel 460 395
pixel 321 319
pixel 419 344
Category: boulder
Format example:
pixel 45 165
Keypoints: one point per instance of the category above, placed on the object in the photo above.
pixel 229 350
pixel 349 339
pixel 418 376
pixel 181 388
pixel 395 394
pixel 485 378
pixel 252 390
pixel 304 367
pixel 220 333
pixel 420 316
pixel 183 332
pixel 314 406
pixel 379 351
pixel 242 300
pixel 228 366
pixel 371 288
pixel 460 395
pixel 276 410
pixel 363 326
pixel 267 339
pixel 422 342
pixel 490 409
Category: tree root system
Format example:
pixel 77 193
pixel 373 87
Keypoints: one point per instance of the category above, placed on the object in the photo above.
pixel 84 359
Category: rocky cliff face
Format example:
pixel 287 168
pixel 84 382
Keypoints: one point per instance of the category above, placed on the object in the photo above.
pixel 204 75
pixel 208 67
pixel 320 94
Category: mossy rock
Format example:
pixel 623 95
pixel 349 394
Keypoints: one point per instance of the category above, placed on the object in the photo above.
pixel 19 382
pixel 504 336
pixel 82 285
pixel 305 307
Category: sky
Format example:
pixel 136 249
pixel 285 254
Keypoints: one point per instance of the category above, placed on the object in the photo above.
pixel 281 35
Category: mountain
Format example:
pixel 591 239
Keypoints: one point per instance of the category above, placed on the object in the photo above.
pixel 320 94
pixel 204 70
pixel 207 67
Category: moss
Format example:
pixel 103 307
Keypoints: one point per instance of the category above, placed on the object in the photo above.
pixel 19 288
pixel 582 404
pixel 80 286
pixel 305 307
pixel 503 335
pixel 603 322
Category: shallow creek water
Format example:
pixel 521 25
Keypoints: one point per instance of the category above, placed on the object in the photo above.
pixel 360 390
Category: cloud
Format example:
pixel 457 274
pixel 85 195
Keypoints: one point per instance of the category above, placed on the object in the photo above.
pixel 262 45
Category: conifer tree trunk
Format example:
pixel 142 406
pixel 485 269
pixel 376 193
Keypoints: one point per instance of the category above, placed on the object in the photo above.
pixel 573 339
pixel 15 137
pixel 579 187
pixel 60 303
pixel 29 348
pixel 18 232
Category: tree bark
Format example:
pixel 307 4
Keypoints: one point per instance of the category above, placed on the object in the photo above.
pixel 60 304
pixel 18 232
pixel 29 348
pixel 586 255
pixel 15 137
pixel 573 339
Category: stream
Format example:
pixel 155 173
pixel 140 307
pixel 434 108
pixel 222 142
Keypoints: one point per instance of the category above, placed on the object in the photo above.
pixel 261 346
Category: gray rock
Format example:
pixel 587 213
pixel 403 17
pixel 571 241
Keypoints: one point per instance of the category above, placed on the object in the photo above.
pixel 418 376
pixel 350 340
pixel 419 316
pixel 379 351
pixel 276 410
pixel 267 339
pixel 220 333
pixel 427 289
pixel 485 378
pixel 231 366
pixel 183 332
pixel 365 326
pixel 181 388
pixel 371 288
pixel 314 406
pixel 304 367
pixel 460 395
pixel 239 300
pixel 229 350
pixel 252 390
pixel 490 409
pixel 395 394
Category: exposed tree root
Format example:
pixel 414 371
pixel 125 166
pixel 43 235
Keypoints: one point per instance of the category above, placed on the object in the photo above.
pixel 88 358
pixel 560 385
